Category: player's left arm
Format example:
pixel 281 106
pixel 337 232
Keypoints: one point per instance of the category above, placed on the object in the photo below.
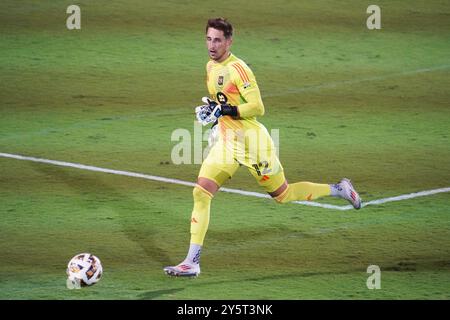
pixel 243 78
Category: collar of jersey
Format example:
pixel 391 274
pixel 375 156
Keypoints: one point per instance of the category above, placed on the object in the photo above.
pixel 224 62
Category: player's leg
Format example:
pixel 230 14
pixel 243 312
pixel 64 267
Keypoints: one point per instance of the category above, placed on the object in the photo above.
pixel 287 192
pixel 278 187
pixel 212 175
pixel 282 191
pixel 303 191
pixel 209 181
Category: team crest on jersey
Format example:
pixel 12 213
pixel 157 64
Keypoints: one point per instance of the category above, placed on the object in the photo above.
pixel 246 85
pixel 220 81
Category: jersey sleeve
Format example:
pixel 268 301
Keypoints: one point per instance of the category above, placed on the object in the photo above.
pixel 243 78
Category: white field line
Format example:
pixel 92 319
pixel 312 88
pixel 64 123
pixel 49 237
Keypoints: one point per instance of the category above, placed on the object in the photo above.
pixel 241 192
pixel 334 84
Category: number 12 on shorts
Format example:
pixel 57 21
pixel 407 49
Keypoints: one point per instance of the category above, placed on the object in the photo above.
pixel 264 165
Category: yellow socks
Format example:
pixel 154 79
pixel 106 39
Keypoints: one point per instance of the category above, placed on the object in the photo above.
pixel 303 191
pixel 200 214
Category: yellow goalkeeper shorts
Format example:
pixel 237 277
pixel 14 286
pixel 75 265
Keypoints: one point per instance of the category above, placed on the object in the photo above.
pixel 265 167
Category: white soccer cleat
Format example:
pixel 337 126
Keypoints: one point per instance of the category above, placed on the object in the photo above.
pixel 349 193
pixel 184 269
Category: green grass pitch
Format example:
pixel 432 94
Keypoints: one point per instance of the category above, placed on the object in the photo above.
pixel 372 105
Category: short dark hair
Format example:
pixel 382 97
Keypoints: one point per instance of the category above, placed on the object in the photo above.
pixel 220 24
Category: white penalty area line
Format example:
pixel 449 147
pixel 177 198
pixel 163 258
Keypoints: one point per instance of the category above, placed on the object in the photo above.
pixel 229 190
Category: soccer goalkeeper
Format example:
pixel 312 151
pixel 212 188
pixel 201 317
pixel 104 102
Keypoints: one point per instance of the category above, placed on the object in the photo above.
pixel 232 108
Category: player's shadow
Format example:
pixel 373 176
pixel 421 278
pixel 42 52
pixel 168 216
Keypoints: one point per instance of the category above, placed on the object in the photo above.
pixel 156 294
pixel 97 194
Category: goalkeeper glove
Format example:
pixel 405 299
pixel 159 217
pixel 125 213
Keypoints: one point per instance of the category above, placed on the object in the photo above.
pixel 211 111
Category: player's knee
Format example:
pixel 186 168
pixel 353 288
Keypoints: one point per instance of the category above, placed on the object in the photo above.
pixel 281 195
pixel 280 200
pixel 277 187
pixel 200 192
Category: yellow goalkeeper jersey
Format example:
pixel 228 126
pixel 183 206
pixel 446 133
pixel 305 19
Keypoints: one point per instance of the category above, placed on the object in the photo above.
pixel 232 81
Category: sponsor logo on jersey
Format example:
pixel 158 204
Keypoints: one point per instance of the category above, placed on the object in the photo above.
pixel 221 97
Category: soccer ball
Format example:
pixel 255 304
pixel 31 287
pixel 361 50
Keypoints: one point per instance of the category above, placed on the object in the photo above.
pixel 83 270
